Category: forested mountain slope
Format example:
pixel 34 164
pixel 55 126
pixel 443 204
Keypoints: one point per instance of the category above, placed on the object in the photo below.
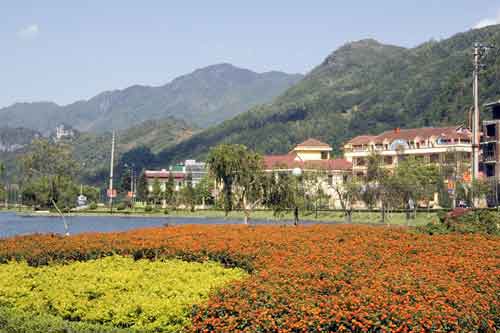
pixel 363 87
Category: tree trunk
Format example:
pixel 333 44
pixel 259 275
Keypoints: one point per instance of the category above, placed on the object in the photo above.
pixel 382 210
pixel 348 216
pixel 245 210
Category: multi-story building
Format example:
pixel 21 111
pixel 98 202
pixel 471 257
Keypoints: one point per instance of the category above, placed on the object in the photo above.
pixel 490 143
pixel 179 172
pixel 432 144
pixel 313 156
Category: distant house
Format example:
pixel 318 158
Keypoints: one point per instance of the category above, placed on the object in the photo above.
pixel 313 156
pixel 179 172
pixel 64 132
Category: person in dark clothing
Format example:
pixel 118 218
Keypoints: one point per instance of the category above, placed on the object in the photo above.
pixel 296 215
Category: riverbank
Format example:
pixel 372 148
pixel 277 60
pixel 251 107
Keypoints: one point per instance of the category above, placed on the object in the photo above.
pixel 361 217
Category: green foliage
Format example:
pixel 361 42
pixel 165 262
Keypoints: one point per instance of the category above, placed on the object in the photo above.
pixel 15 321
pixel 50 173
pixel 121 206
pixel 414 179
pixel 157 192
pixel 148 208
pixel 93 206
pixel 187 193
pixel 481 221
pixel 240 172
pixel 150 296
pixel 283 192
pixel 135 147
pixel 142 187
pixel 204 191
pixel 348 193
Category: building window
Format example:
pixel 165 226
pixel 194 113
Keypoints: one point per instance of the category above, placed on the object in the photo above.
pixel 330 179
pixel 324 155
pixel 434 158
pixel 388 160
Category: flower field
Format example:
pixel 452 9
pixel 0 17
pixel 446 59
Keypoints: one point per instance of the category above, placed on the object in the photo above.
pixel 313 279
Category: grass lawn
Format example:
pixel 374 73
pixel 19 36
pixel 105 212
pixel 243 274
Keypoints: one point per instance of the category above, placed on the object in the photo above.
pixel 361 217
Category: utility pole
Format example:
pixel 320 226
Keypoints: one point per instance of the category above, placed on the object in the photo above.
pixel 475 116
pixel 480 51
pixel 110 191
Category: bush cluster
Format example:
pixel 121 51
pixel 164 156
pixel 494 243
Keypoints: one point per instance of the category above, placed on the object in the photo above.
pixel 313 278
pixel 114 291
pixel 480 221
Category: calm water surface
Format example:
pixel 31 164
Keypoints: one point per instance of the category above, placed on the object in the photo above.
pixel 12 224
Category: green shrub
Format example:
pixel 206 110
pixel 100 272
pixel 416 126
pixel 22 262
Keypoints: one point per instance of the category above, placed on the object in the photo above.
pixel 481 221
pixel 115 291
pixel 121 206
pixel 93 206
pixel 165 211
pixel 148 208
pixel 15 321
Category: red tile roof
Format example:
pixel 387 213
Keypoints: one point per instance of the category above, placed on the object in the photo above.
pixel 313 143
pixel 163 174
pixel 289 161
pixel 412 133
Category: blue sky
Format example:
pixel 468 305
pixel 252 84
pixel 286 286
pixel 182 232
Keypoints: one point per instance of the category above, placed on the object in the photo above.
pixel 62 51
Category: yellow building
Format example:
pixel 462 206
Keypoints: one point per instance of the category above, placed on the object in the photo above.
pixel 312 150
pixel 313 156
pixel 432 144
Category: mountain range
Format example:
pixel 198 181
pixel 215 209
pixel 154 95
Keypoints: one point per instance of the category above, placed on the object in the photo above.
pixel 202 98
pixel 362 87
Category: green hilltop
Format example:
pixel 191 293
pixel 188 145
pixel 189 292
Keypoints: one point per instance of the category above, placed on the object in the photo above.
pixel 363 87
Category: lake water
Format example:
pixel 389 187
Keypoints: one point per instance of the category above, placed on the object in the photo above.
pixel 12 224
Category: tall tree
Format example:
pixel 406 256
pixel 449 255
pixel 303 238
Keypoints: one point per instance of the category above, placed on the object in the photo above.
pixel 376 181
pixel 157 192
pixel 204 191
pixel 240 173
pixel 170 189
pixel 188 194
pixel 348 193
pixel 142 187
pixel 224 165
pixel 283 192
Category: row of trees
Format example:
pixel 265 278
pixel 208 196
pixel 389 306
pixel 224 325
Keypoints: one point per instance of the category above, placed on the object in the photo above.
pixel 244 184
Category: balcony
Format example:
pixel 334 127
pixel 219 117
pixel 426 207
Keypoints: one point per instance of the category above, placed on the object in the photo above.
pixel 489 157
